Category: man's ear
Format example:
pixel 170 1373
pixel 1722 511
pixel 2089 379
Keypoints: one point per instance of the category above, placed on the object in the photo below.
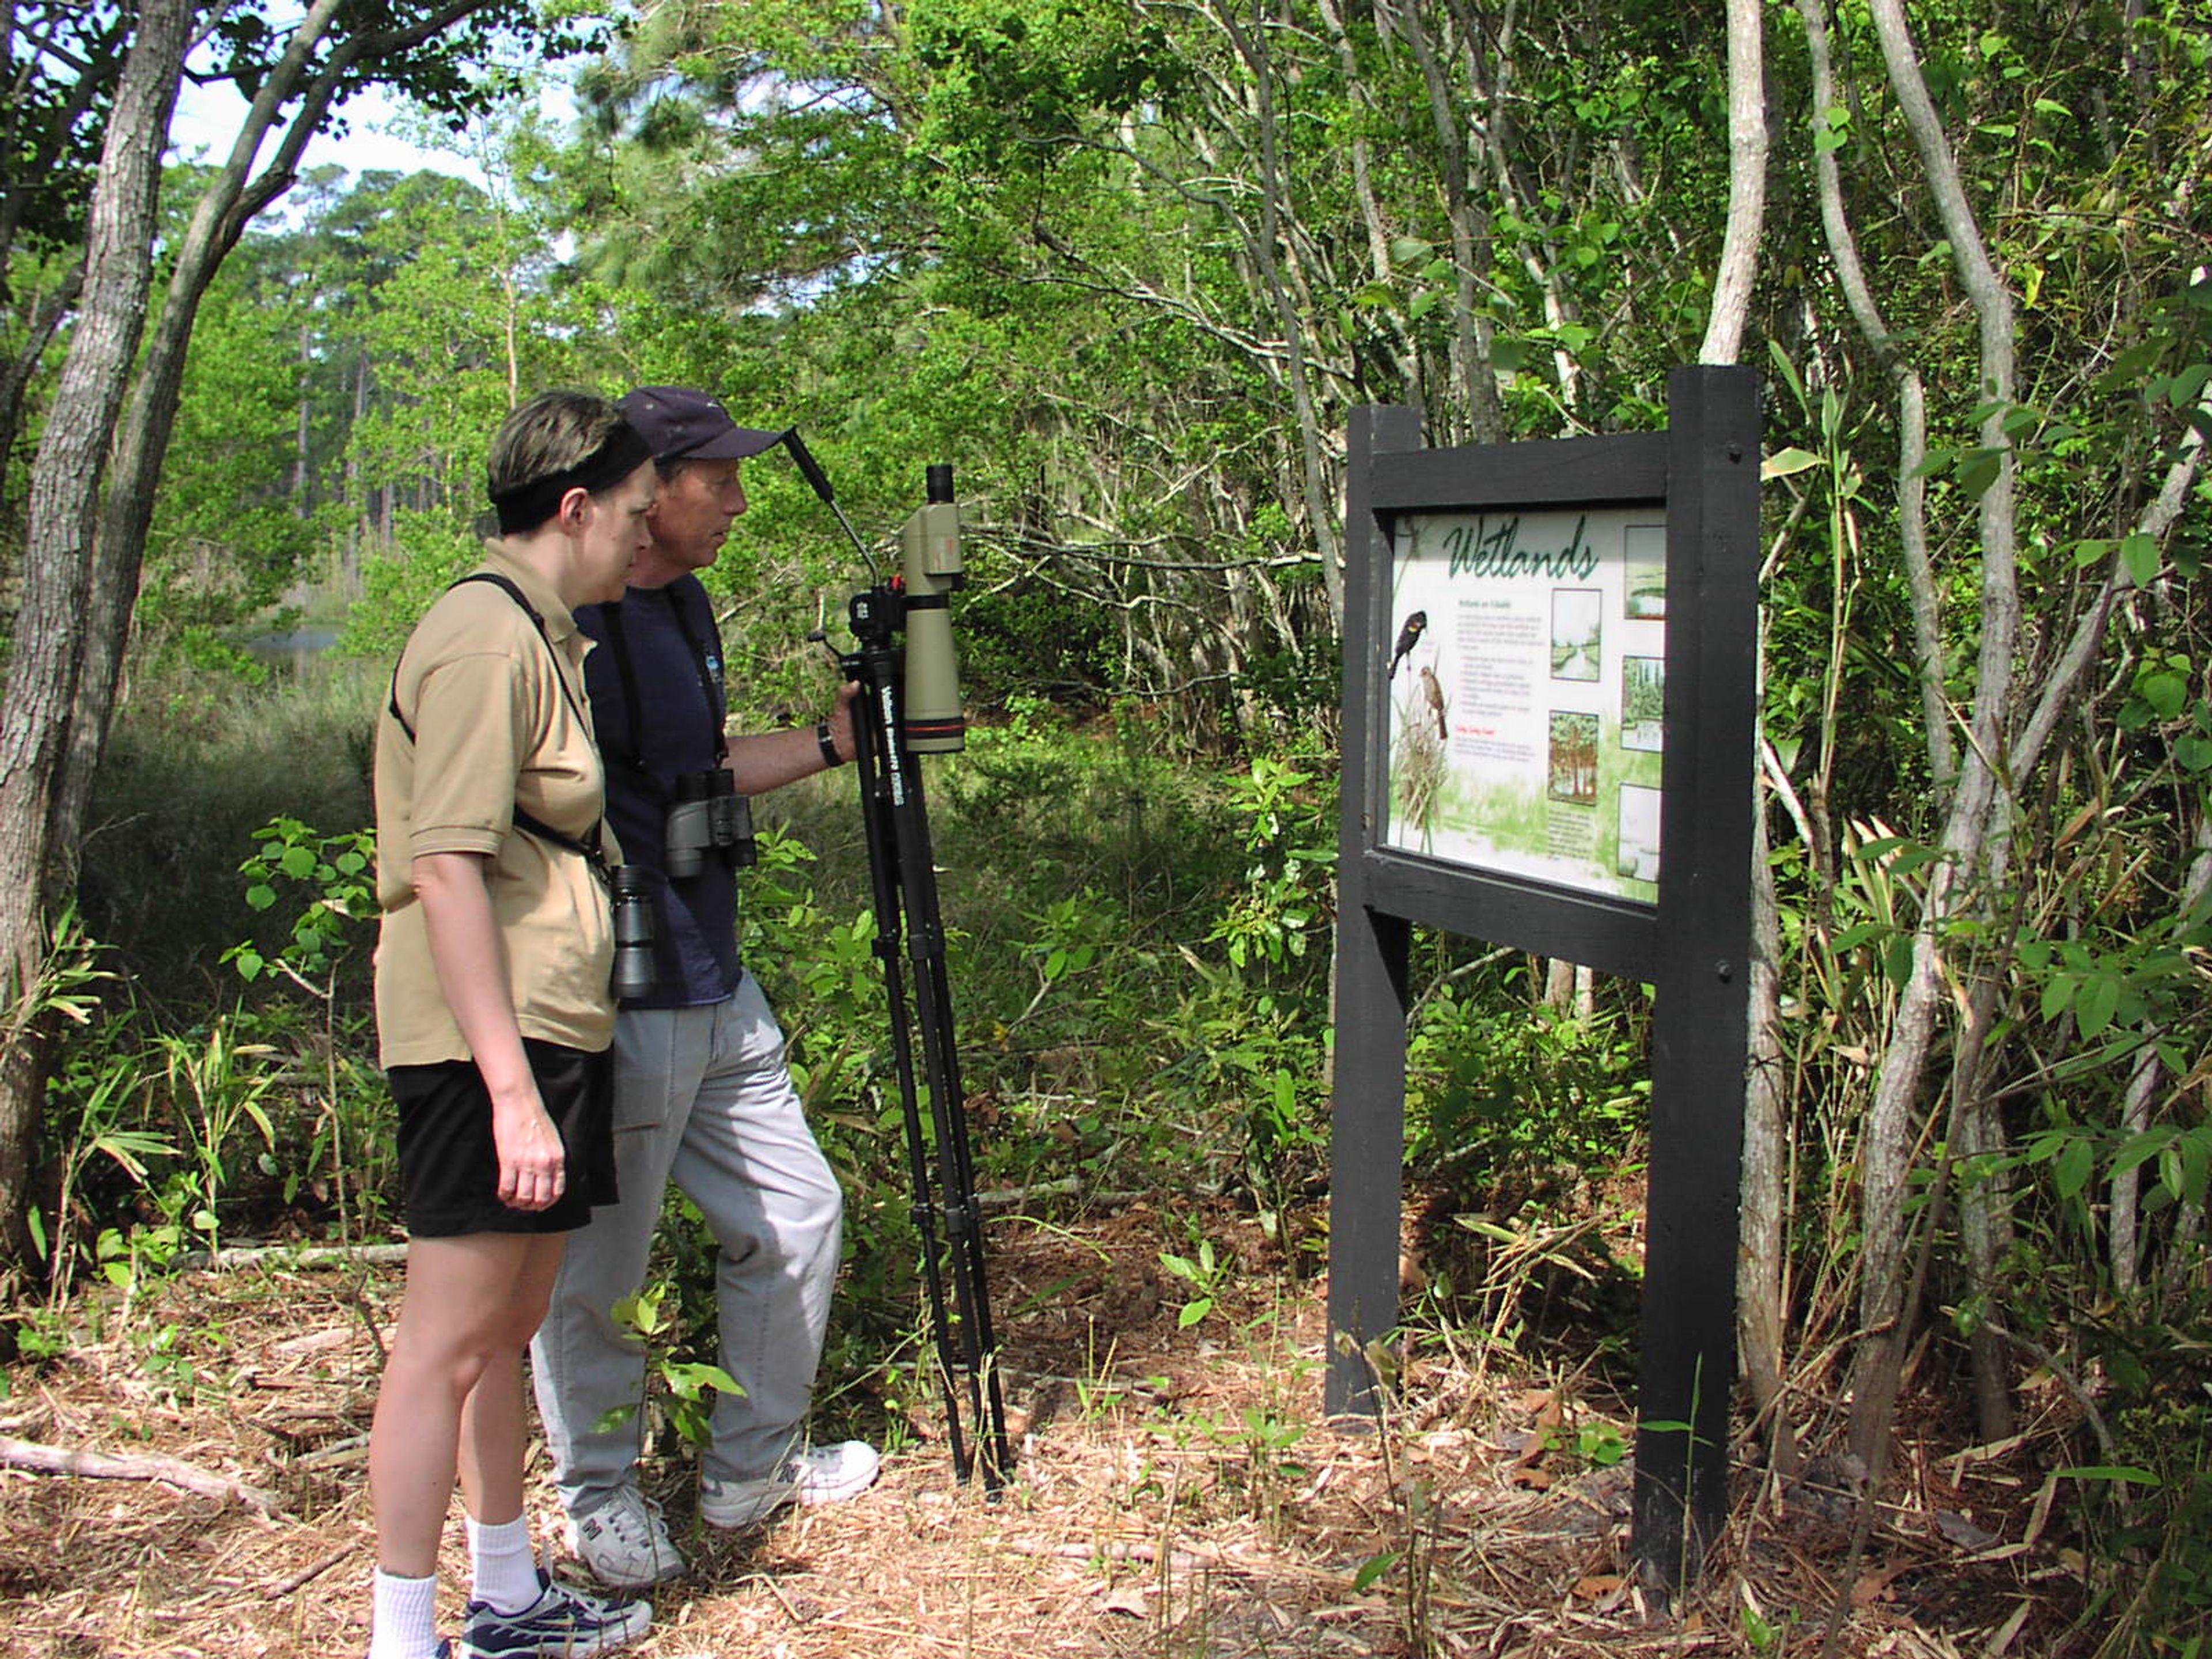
pixel 575 507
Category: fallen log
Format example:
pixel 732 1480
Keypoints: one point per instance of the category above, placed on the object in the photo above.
pixel 293 1256
pixel 142 1465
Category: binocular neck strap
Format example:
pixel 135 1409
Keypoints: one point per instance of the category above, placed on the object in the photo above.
pixel 590 845
pixel 704 667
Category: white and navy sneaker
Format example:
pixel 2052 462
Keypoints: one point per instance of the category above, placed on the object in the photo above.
pixel 821 1475
pixel 560 1624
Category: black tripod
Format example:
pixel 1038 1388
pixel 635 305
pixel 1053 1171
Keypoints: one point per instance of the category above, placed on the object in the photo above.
pixel 910 944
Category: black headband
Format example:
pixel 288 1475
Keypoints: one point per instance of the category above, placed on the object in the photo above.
pixel 526 505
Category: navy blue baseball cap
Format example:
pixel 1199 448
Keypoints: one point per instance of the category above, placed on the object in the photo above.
pixel 684 425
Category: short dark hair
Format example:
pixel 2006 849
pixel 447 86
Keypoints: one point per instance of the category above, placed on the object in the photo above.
pixel 550 433
pixel 557 442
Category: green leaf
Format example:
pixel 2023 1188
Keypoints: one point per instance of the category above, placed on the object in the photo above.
pixel 2070 1174
pixel 2100 997
pixel 1193 1311
pixel 1372 1569
pixel 2139 554
pixel 1785 463
pixel 691 1379
pixel 2141 1149
pixel 1978 470
pixel 2058 996
pixel 2166 694
pixel 1897 961
pixel 2127 1471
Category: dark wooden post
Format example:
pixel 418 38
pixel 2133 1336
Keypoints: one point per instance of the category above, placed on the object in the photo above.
pixel 1701 1005
pixel 1367 1126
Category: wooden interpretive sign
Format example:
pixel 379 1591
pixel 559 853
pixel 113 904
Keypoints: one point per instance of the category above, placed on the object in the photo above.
pixel 1550 682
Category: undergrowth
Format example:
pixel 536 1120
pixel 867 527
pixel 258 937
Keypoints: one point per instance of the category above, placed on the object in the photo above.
pixel 1139 955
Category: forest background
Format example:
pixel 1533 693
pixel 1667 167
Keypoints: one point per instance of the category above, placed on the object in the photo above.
pixel 1127 265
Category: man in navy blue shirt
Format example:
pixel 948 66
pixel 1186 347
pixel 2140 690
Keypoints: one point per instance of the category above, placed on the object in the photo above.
pixel 703 1096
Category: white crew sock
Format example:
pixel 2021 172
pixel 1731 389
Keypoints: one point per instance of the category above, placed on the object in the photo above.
pixel 505 1568
pixel 406 1618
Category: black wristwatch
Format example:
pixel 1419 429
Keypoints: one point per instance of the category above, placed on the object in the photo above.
pixel 828 744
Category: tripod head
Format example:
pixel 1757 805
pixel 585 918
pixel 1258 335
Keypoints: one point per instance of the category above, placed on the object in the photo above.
pixel 916 601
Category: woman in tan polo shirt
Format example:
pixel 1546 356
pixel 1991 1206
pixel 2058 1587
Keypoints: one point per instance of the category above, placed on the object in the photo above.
pixel 494 1018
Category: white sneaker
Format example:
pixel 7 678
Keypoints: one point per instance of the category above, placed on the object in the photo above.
pixel 821 1475
pixel 624 1541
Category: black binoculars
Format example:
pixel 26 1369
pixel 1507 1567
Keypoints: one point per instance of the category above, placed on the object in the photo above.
pixel 629 897
pixel 708 813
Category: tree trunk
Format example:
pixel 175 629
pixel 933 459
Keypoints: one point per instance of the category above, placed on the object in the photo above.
pixel 1746 210
pixel 225 207
pixel 1471 375
pixel 1318 491
pixel 1762 1314
pixel 1763 1258
pixel 1890 1134
pixel 65 481
pixel 45 319
pixel 82 558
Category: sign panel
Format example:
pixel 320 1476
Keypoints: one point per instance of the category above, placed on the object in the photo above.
pixel 1526 685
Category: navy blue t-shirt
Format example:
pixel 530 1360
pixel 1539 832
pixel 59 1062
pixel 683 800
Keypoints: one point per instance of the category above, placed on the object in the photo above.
pixel 674 669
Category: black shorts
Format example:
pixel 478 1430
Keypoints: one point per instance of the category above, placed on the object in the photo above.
pixel 449 1163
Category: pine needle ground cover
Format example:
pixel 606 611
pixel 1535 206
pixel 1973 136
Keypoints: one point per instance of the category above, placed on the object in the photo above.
pixel 1177 1493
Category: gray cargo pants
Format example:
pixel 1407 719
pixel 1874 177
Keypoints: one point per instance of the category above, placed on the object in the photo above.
pixel 702 1097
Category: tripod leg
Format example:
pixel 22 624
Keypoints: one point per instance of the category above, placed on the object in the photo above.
pixel 905 892
pixel 925 936
pixel 871 731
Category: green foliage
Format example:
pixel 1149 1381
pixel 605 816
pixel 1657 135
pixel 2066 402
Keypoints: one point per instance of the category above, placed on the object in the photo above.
pixel 688 1386
pixel 1505 1098
pixel 1205 1273
pixel 1129 267
pixel 337 874
pixel 229 532
pixel 162 1136
pixel 1290 831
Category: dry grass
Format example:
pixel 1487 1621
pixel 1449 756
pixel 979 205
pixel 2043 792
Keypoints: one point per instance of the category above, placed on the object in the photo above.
pixel 1177 1497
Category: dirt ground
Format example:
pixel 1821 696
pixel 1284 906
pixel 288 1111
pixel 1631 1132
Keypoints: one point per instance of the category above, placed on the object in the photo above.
pixel 1175 1494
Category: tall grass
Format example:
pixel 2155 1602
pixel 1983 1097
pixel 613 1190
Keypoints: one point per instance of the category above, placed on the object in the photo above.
pixel 197 763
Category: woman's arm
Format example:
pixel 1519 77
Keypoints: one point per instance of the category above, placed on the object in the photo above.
pixel 472 964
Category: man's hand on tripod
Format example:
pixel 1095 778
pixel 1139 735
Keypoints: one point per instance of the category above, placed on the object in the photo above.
pixel 769 760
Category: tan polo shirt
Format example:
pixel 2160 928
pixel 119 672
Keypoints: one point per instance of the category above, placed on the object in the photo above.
pixel 494 727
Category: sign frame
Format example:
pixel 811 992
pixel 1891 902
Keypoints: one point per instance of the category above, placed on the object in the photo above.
pixel 1692 946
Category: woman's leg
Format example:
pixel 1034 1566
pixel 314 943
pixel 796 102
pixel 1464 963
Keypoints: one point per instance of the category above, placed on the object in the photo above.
pixel 495 1429
pixel 465 1300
